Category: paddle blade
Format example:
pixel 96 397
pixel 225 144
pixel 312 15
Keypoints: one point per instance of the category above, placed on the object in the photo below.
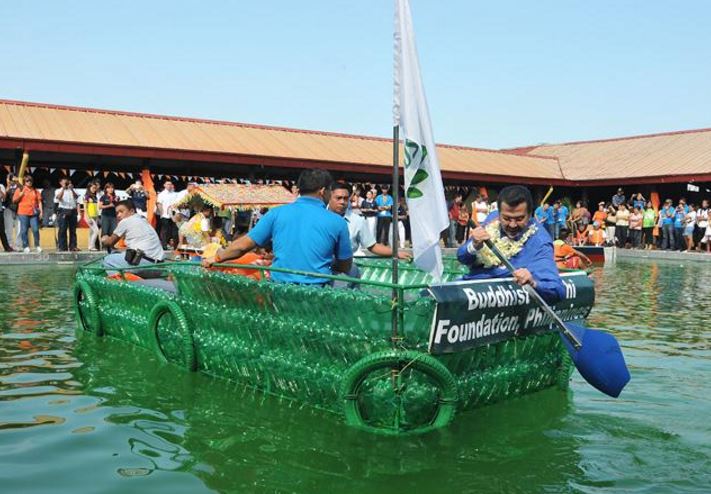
pixel 599 360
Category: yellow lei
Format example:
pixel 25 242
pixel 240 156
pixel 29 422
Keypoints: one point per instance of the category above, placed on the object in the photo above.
pixel 509 248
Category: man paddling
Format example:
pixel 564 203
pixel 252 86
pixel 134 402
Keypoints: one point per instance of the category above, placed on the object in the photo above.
pixel 521 239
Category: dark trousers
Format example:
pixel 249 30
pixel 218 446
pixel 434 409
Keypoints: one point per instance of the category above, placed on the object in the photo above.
pixel 384 230
pixel 108 225
pixel 679 236
pixel 621 234
pixel 3 237
pixel 67 222
pixel 168 231
pixel 648 234
pixel 635 238
pixel 668 241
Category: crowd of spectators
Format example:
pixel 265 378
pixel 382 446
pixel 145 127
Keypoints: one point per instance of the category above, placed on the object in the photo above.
pixel 623 222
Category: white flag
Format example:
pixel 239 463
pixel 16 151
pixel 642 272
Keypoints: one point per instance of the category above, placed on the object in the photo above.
pixel 423 181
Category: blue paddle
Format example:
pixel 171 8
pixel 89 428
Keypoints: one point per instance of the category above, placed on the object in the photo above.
pixel 596 354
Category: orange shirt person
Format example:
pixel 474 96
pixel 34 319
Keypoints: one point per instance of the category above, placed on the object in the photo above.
pixel 566 257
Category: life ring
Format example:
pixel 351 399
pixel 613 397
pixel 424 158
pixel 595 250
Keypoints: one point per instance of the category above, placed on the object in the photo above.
pixel 86 309
pixel 185 355
pixel 401 360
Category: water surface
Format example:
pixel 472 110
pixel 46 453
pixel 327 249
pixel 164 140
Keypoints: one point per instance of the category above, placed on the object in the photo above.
pixel 81 414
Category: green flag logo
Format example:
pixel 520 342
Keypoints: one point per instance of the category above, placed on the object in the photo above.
pixel 415 161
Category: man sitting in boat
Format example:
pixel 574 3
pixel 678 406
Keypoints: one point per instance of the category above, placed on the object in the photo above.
pixel 360 234
pixel 305 236
pixel 521 239
pixel 143 247
pixel 566 257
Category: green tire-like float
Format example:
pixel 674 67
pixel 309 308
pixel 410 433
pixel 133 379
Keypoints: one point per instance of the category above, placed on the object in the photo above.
pixel 86 309
pixel 178 325
pixel 390 360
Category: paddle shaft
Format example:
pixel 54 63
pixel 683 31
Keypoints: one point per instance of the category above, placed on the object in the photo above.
pixel 534 294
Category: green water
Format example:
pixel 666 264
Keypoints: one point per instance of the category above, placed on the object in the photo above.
pixel 78 414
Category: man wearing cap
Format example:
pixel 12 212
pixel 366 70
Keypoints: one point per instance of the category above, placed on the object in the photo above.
pixel 618 198
pixel 528 246
pixel 304 235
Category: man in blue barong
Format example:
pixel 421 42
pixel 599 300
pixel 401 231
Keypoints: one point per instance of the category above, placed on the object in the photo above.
pixel 521 239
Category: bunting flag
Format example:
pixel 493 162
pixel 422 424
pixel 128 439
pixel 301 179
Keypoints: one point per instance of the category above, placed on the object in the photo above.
pixel 32 169
pixel 89 172
pixel 51 170
pixel 8 168
pixel 122 174
pixel 423 181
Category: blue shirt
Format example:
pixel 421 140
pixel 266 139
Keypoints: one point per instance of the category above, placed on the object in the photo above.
pixel 550 216
pixel 536 256
pixel 305 236
pixel 679 219
pixel 384 201
pixel 540 214
pixel 667 215
pixel 562 214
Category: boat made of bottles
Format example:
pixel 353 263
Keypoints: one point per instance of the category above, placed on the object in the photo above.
pixel 460 344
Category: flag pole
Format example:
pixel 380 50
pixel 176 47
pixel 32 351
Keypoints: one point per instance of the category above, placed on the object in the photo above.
pixel 397 293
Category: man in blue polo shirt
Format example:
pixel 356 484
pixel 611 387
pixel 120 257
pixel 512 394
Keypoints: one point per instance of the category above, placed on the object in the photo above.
pixel 304 235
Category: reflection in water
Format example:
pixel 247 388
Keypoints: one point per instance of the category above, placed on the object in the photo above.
pixel 81 411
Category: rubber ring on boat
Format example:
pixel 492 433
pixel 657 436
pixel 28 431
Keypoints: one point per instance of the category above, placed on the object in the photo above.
pixel 86 309
pixel 189 357
pixel 395 359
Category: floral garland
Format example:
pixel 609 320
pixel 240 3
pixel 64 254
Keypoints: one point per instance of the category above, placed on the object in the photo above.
pixel 509 248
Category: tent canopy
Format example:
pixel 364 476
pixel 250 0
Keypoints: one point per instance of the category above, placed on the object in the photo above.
pixel 239 195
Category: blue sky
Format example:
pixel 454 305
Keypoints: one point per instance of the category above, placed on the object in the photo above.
pixel 497 74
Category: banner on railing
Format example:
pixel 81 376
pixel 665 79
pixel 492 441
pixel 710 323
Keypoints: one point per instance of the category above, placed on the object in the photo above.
pixel 478 312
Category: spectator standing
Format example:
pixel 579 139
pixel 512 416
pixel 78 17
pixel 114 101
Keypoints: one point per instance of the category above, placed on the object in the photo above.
pixel 3 236
pixel 48 202
pixel 679 222
pixel 356 202
pixel 580 215
pixel 667 221
pixel 638 201
pixel 541 214
pixel 401 217
pixel 10 213
pixel 67 213
pixel 481 208
pixel 689 227
pixel 107 205
pixel 702 221
pixel 139 196
pixel 622 225
pixel 369 210
pixel 635 231
pixel 562 218
pixel 551 218
pixel 384 203
pixel 168 232
pixel 29 211
pixel 600 215
pixel 91 214
pixel 463 224
pixel 649 219
pixel 618 198
pixel 454 209
pixel 611 225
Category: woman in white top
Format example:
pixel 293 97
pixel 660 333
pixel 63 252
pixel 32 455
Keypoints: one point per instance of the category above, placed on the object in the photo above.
pixel 481 208
pixel 689 226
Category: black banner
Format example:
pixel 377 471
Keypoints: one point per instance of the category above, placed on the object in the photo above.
pixel 477 312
